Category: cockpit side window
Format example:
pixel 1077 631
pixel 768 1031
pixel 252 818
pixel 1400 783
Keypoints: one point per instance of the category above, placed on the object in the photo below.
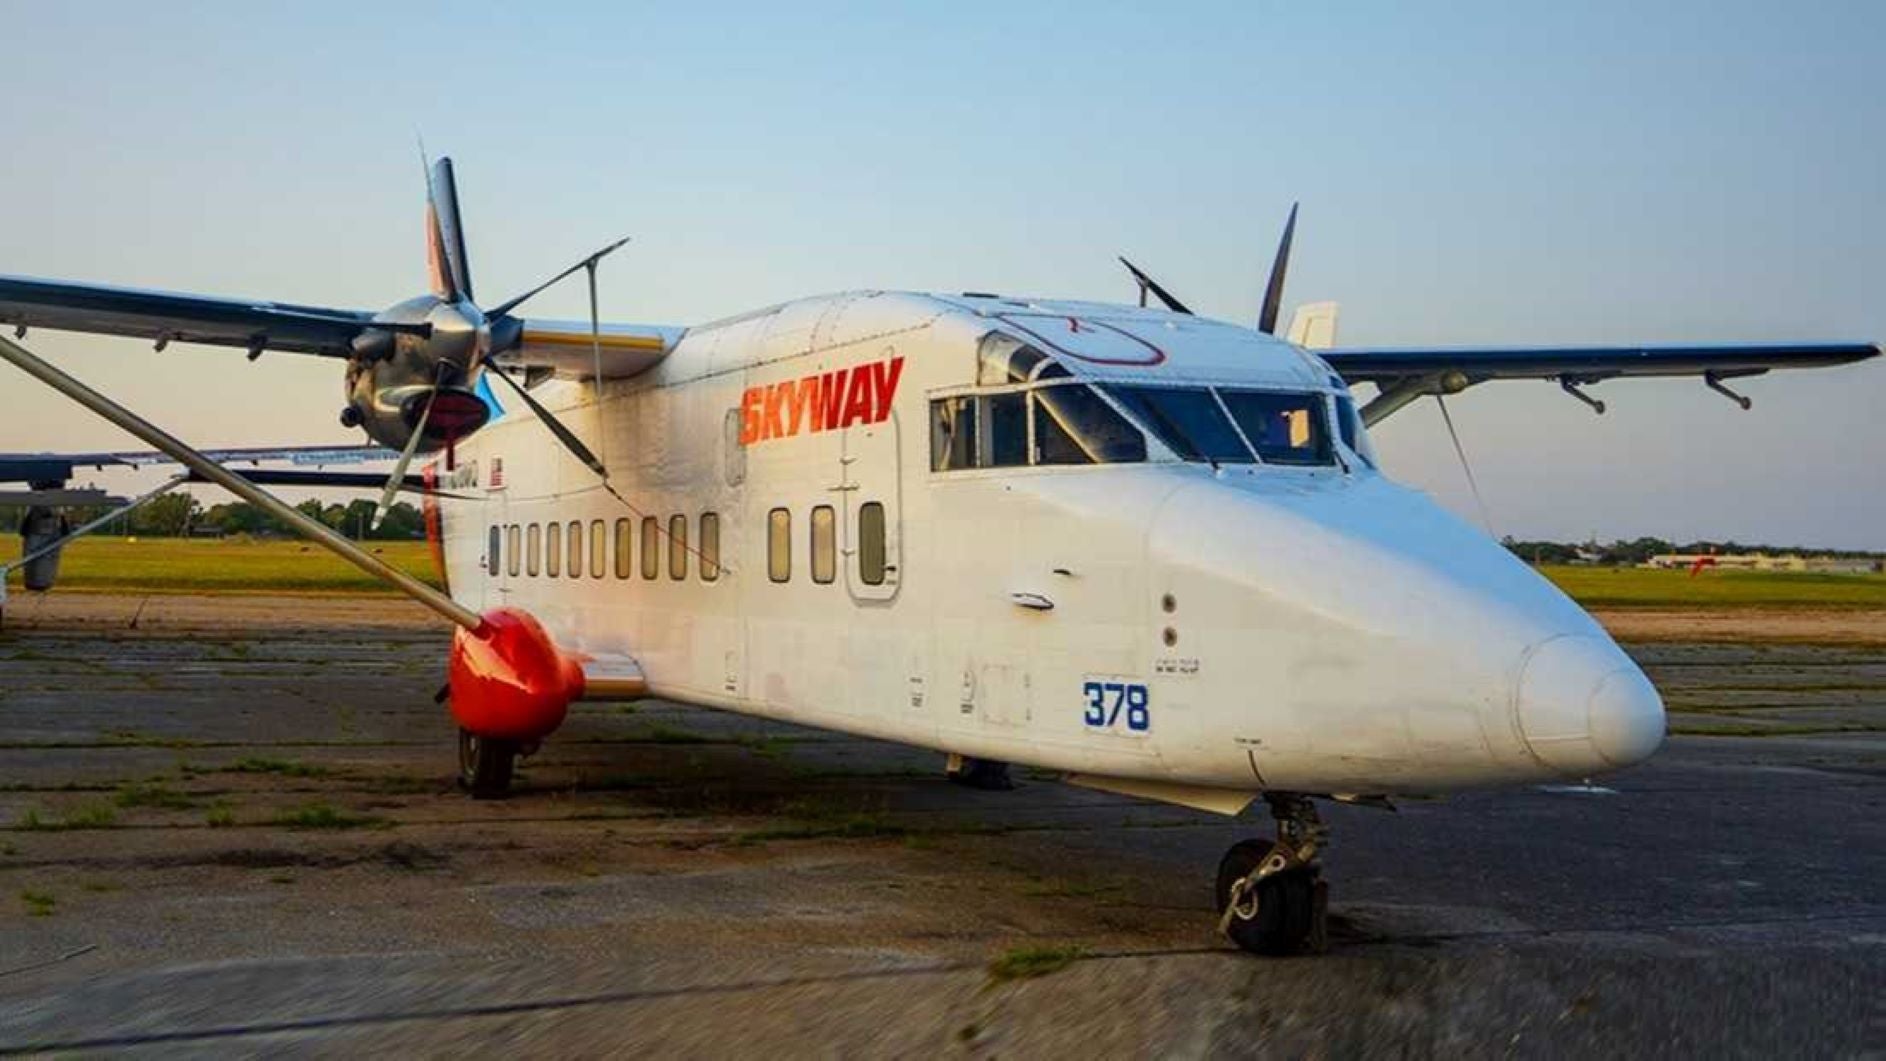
pixel 1188 420
pixel 1073 425
pixel 1354 434
pixel 1284 428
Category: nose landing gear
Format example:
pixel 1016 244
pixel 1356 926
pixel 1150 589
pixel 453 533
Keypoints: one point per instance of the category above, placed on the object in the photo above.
pixel 1271 897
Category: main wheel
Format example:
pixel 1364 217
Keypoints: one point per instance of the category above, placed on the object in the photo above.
pixel 485 765
pixel 1286 902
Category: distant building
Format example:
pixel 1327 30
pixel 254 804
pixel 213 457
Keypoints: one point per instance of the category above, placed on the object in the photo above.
pixel 1831 565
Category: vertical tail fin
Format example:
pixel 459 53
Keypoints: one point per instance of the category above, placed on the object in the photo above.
pixel 1313 325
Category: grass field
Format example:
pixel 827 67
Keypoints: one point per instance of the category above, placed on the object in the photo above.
pixel 1642 588
pixel 159 565
pixel 173 565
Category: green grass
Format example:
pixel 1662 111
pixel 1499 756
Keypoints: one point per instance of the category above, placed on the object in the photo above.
pixel 181 565
pixel 220 816
pixel 279 767
pixel 848 827
pixel 1632 587
pixel 1026 963
pixel 38 904
pixel 89 816
pixel 324 816
pixel 143 795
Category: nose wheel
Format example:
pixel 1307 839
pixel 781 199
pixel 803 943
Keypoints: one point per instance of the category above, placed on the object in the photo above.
pixel 485 765
pixel 1271 898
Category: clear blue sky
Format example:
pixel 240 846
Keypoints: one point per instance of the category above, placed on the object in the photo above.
pixel 1470 173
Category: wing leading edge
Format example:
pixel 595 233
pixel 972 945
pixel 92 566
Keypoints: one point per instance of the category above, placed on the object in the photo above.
pixel 165 316
pixel 1404 375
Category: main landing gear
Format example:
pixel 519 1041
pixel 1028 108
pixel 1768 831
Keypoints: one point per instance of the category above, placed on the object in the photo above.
pixel 485 766
pixel 1271 898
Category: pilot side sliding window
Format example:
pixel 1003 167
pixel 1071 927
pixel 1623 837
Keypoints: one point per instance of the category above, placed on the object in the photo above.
pixel 1071 425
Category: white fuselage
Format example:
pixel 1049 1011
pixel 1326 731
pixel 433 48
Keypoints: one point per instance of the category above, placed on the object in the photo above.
pixel 1242 626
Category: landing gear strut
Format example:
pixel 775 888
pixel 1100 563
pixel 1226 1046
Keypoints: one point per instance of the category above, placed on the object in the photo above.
pixel 986 774
pixel 485 765
pixel 1271 896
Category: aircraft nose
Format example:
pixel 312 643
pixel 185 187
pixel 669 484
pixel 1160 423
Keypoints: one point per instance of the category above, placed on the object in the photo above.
pixel 1584 707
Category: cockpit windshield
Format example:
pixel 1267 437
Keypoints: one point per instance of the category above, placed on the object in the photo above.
pixel 1280 427
pixel 1283 428
pixel 1188 421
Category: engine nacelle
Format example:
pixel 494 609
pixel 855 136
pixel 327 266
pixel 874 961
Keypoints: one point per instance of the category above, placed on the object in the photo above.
pixel 393 375
pixel 40 528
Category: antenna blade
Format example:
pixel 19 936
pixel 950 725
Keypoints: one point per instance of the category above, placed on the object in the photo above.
pixel 1147 283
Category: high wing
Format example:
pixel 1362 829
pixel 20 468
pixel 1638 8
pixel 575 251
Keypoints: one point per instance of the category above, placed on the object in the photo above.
pixel 1404 375
pixel 165 316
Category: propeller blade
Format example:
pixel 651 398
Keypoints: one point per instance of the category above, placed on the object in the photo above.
pixel 397 480
pixel 1274 292
pixel 564 434
pixel 445 237
pixel 1147 283
pixel 587 263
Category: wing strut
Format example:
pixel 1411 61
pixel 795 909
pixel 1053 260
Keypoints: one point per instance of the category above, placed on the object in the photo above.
pixel 172 447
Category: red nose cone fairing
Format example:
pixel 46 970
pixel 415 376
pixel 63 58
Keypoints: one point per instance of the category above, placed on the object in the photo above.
pixel 509 680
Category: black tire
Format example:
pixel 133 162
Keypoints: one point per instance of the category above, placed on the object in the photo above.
pixel 1286 902
pixel 987 775
pixel 485 766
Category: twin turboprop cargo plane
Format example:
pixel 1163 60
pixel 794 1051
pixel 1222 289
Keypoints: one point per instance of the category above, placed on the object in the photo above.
pixel 1144 548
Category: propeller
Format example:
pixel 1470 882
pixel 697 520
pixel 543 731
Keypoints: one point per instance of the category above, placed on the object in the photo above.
pixel 397 481
pixel 1274 291
pixel 556 426
pixel 445 237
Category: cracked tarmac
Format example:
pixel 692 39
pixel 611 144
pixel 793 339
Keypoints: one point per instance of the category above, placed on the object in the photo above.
pixel 234 830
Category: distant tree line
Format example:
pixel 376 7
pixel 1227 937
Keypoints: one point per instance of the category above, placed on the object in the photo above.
pixel 178 515
pixel 1640 550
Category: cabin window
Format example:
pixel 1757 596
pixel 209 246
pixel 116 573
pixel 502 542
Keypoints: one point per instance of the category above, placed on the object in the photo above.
pixel 1283 428
pixel 1188 420
pixel 677 547
pixel 871 551
pixel 625 557
pixel 824 545
pixel 576 550
pixel 1073 425
pixel 553 549
pixel 598 548
pixel 534 544
pixel 779 545
pixel 511 548
pixel 491 549
pixel 710 546
pixel 651 548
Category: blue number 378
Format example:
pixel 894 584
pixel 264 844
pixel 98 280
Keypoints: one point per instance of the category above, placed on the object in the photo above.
pixel 1107 702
